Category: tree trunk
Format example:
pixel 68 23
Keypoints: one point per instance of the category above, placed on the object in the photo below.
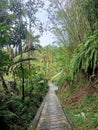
pixel 23 94
pixel 22 85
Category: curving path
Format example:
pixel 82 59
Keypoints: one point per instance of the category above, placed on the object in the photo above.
pixel 52 116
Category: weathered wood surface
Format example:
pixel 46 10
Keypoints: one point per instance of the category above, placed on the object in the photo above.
pixel 52 116
pixel 37 117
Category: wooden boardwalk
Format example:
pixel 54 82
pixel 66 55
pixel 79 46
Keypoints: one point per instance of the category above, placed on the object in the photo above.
pixel 52 116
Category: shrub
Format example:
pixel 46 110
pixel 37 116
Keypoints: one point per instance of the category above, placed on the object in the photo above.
pixel 86 56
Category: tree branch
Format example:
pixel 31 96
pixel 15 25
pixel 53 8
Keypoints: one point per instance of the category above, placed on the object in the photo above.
pixel 23 60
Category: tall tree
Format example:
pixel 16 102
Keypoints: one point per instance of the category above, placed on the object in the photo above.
pixel 68 21
pixel 31 8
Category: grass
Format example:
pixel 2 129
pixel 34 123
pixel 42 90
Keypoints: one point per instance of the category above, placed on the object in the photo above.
pixel 85 114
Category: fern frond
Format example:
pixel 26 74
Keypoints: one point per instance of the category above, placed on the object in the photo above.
pixel 86 55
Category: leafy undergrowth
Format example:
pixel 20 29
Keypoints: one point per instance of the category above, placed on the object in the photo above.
pixel 13 113
pixel 84 112
pixel 16 114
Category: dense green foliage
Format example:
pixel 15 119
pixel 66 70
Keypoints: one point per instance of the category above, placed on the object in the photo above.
pixel 22 86
pixel 78 41
pixel 86 56
pixel 25 66
pixel 75 24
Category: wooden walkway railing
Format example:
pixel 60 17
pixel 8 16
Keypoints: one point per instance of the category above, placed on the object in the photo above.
pixel 51 116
